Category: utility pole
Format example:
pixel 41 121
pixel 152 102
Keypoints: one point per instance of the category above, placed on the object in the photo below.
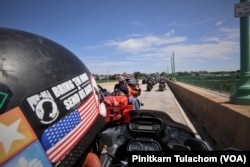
pixel 172 68
pixel 108 75
pixel 174 79
pixel 242 95
pixel 167 73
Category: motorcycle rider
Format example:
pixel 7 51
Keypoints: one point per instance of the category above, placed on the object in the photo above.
pixel 150 84
pixel 35 71
pixel 123 87
pixel 162 84
pixel 162 80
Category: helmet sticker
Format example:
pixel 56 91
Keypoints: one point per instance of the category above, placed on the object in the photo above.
pixel 62 114
pixel 54 102
pixel 16 133
pixel 3 99
pixel 46 111
pixel 62 136
pixel 27 157
pixel 5 96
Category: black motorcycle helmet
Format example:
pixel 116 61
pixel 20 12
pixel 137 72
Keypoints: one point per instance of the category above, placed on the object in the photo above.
pixel 49 102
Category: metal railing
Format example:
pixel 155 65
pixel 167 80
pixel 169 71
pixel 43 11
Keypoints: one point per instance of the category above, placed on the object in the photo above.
pixel 223 83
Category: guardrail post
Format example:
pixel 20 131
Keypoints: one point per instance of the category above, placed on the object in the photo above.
pixel 242 95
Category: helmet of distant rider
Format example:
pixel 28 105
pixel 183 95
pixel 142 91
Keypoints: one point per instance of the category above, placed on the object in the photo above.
pixel 131 82
pixel 121 79
pixel 49 102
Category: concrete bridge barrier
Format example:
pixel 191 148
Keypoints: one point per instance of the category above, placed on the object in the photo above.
pixel 227 124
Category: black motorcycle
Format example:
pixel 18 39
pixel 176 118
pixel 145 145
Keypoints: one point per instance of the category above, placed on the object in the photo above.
pixel 150 84
pixel 162 86
pixel 148 130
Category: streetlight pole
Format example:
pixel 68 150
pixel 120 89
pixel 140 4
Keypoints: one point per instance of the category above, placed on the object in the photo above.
pixel 242 95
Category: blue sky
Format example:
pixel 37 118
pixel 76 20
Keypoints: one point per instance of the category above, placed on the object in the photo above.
pixel 116 36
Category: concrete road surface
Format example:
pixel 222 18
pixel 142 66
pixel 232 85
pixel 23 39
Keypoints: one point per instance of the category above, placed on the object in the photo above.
pixel 160 100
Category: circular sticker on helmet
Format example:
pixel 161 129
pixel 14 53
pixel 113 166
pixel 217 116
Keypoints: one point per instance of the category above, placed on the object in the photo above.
pixel 47 111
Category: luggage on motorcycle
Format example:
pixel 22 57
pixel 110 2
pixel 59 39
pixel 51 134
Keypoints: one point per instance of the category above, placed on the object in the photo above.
pixel 116 102
pixel 117 108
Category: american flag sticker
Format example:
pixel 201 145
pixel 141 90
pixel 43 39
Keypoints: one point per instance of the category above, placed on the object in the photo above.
pixel 62 136
pixel 15 133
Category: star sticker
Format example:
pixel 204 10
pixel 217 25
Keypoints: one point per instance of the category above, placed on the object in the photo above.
pixel 11 134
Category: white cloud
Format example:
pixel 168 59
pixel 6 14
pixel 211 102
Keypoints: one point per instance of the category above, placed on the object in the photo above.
pixel 147 42
pixel 230 33
pixel 222 50
pixel 131 45
pixel 211 39
pixel 152 52
pixel 219 22
pixel 220 47
pixel 168 34
pixel 109 63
